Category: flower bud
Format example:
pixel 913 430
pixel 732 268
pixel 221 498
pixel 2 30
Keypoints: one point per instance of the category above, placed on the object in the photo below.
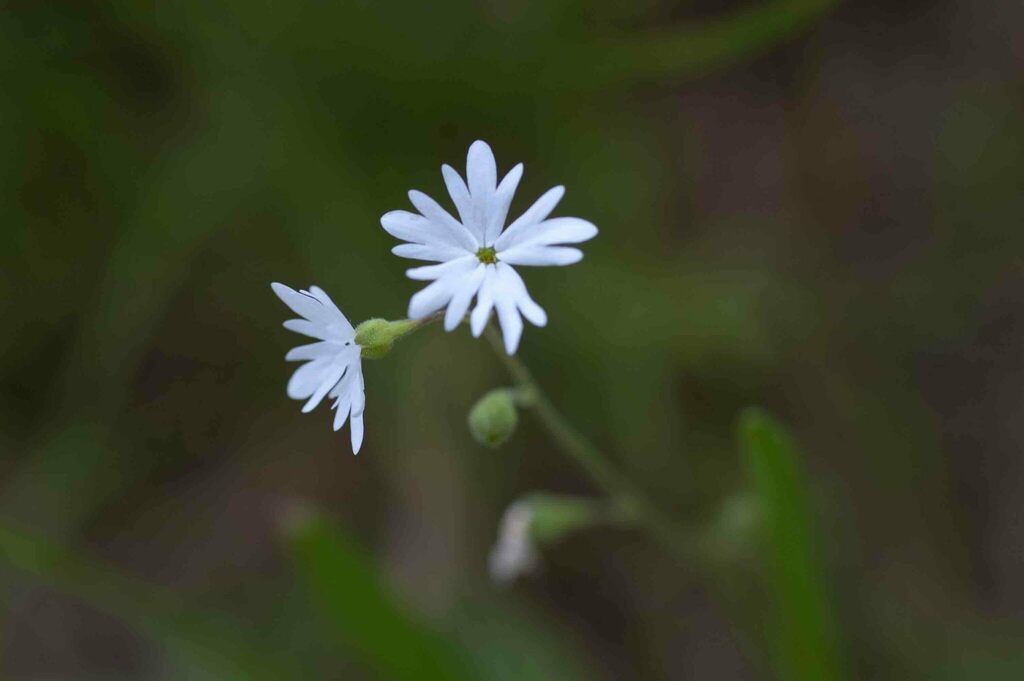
pixel 493 419
pixel 536 521
pixel 514 554
pixel 376 336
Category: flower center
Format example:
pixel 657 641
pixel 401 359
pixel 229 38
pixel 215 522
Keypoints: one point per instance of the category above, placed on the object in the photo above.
pixel 487 255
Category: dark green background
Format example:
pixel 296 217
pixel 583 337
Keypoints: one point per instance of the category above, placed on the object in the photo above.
pixel 807 206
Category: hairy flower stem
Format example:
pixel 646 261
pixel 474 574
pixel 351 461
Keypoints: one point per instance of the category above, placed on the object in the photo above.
pixel 623 493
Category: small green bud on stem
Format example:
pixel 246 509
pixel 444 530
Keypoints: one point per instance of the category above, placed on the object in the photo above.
pixel 493 419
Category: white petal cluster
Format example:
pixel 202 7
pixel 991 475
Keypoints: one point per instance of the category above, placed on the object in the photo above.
pixel 514 554
pixel 332 365
pixel 475 254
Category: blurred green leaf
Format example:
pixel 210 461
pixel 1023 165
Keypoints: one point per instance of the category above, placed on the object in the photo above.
pixel 208 644
pixel 687 51
pixel 343 584
pixel 800 624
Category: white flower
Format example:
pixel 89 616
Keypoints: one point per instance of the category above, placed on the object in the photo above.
pixel 333 367
pixel 514 554
pixel 476 255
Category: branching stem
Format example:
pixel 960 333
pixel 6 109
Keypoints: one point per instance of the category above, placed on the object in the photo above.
pixel 631 500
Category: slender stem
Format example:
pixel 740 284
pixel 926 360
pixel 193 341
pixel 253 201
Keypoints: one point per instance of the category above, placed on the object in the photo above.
pixel 629 501
pixel 399 328
pixel 600 469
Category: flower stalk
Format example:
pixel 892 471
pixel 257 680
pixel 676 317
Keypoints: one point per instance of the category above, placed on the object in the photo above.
pixel 376 336
pixel 627 497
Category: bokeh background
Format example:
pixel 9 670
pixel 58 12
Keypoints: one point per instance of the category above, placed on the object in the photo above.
pixel 809 206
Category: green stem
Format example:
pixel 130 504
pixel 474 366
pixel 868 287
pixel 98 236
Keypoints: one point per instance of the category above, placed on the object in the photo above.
pixel 631 502
pixel 600 469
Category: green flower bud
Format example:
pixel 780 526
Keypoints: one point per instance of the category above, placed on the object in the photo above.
pixel 376 336
pixel 493 419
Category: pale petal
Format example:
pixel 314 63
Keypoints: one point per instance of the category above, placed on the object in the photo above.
pixel 481 170
pixel 357 432
pixel 430 209
pixel 432 272
pixel 328 380
pixel 511 322
pixel 530 309
pixel 308 328
pixel 417 229
pixel 541 255
pixel 339 317
pixel 342 407
pixel 432 253
pixel 350 403
pixel 343 394
pixel 307 379
pixel 438 294
pixel 498 206
pixel 315 351
pixel 460 194
pixel 459 304
pixel 553 231
pixel 541 208
pixel 484 302
pixel 303 304
pixel 358 394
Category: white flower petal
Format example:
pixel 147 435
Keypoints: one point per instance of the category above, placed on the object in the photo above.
pixel 314 351
pixel 307 378
pixel 343 393
pixel 308 328
pixel 459 192
pixel 498 206
pixel 541 255
pixel 328 380
pixel 303 303
pixel 510 320
pixel 514 554
pixel 481 171
pixel 339 316
pixel 438 294
pixel 484 302
pixel 349 404
pixel 357 432
pixel 459 304
pixel 432 272
pixel 358 394
pixel 540 209
pixel 417 229
pixel 553 231
pixel 433 253
pixel 530 309
pixel 358 407
pixel 342 407
pixel 456 231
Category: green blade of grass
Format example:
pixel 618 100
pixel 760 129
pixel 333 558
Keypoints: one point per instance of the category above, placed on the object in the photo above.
pixel 218 646
pixel 343 585
pixel 800 624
